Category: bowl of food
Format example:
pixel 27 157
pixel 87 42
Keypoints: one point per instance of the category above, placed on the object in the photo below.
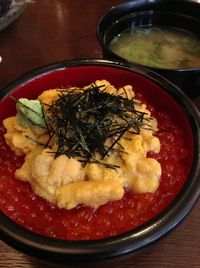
pixel 160 35
pixel 98 159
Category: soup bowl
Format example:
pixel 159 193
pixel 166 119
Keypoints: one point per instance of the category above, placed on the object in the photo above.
pixel 32 225
pixel 182 16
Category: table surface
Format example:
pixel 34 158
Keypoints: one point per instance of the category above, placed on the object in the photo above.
pixel 50 31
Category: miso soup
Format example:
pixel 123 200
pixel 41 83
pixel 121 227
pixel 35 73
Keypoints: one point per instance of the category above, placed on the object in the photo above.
pixel 158 47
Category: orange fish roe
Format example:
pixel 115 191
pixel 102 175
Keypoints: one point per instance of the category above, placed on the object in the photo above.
pixel 19 203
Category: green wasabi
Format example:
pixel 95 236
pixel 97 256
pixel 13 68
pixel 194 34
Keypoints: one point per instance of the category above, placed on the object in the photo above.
pixel 30 112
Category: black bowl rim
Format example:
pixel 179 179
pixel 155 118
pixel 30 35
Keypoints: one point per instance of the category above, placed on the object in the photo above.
pixel 108 13
pixel 75 251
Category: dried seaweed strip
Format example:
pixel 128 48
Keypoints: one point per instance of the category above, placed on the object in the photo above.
pixel 82 120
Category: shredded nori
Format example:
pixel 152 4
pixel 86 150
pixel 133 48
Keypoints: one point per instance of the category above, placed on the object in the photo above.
pixel 84 121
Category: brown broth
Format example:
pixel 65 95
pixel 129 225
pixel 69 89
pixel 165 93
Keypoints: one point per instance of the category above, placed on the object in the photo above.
pixel 158 47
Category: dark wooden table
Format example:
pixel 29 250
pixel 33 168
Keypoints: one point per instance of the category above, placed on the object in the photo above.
pixel 50 31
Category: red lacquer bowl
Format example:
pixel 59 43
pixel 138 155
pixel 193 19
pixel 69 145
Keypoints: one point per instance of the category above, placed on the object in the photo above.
pixel 40 229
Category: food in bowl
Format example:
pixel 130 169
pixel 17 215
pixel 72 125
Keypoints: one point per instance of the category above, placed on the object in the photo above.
pixel 181 16
pixel 117 216
pixel 83 146
pixel 158 47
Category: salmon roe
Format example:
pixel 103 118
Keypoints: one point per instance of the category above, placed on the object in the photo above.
pixel 20 204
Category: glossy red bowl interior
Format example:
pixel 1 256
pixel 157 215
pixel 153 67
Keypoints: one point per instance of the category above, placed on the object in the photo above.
pixel 157 92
